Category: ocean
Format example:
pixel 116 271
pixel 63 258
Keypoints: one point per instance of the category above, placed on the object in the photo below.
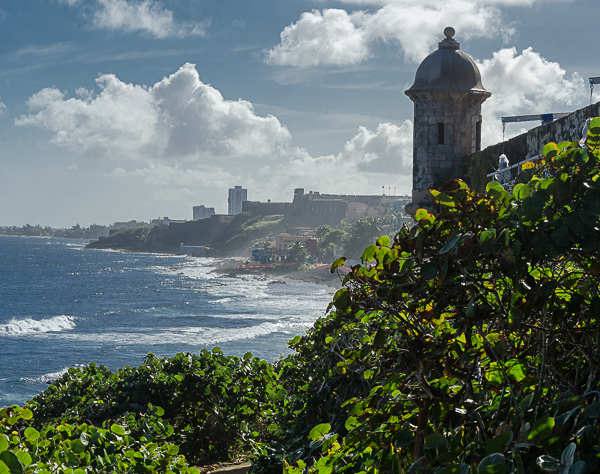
pixel 63 306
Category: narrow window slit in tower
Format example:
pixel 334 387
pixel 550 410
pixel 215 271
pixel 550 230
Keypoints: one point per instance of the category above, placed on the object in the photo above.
pixel 440 133
pixel 477 136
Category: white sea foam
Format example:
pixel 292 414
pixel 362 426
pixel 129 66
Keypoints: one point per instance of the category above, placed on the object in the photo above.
pixel 220 301
pixel 46 377
pixel 193 336
pixel 208 336
pixel 17 327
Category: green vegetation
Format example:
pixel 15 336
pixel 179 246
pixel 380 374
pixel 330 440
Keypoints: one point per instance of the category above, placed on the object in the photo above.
pixel 361 233
pixel 130 238
pixel 331 238
pixel 246 228
pixel 468 344
pixel 207 407
pixel 84 448
pixel 297 253
pixel 76 232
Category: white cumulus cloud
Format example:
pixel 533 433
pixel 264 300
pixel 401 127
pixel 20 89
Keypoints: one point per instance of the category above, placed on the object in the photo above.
pixel 338 38
pixel 178 117
pixel 147 16
pixel 181 133
pixel 367 161
pixel 525 84
pixel 332 37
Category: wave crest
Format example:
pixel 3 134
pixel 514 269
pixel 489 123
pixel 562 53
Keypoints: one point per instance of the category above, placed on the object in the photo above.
pixel 51 377
pixel 17 327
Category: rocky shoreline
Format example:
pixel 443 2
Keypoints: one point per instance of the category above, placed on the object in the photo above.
pixel 278 275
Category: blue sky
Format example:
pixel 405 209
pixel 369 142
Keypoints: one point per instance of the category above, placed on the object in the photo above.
pixel 132 109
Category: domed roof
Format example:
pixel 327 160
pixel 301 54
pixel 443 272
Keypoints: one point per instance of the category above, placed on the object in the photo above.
pixel 448 70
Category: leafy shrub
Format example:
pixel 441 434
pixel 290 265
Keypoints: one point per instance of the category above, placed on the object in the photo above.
pixel 83 448
pixel 214 403
pixel 306 267
pixel 471 344
pixel 297 253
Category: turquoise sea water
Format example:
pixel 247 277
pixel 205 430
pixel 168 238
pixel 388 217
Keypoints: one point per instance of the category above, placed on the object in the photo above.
pixel 61 305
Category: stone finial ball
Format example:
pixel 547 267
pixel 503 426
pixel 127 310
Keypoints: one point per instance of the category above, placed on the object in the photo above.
pixel 449 32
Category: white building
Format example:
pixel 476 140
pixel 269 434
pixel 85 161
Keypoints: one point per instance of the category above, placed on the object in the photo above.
pixel 201 212
pixel 237 196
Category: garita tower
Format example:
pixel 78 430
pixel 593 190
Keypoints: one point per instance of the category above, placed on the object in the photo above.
pixel 447 95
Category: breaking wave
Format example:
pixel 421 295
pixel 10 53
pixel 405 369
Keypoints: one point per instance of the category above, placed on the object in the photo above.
pixel 16 327
pixel 51 377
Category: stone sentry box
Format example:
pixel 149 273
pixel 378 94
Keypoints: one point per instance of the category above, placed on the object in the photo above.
pixel 447 95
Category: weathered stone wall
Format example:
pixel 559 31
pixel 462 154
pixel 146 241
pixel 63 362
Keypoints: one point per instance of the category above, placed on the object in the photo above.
pixel 266 208
pixel 318 209
pixel 435 163
pixel 477 166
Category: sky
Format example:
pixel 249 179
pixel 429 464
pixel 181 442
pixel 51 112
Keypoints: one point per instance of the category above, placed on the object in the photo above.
pixel 112 110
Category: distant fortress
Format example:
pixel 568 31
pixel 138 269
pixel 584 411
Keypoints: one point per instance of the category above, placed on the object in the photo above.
pixel 315 209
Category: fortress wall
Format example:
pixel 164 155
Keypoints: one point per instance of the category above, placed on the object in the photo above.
pixel 323 212
pixel 266 208
pixel 477 166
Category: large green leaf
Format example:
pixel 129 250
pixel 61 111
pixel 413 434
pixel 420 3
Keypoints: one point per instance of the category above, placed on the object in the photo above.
pixel 429 270
pixel 341 299
pixel 78 447
pixel 451 243
pixel 12 463
pixel 423 214
pixel 338 263
pixel 118 430
pixel 384 241
pixel 579 467
pixel 31 434
pixel 541 429
pixel 548 463
pixel 319 431
pixel 561 236
pixel 497 444
pixel 486 240
pixel 435 440
pixel 404 438
pixel 369 253
pixel 593 410
pixel 492 464
pixel 24 457
pixel 550 151
pixel 566 459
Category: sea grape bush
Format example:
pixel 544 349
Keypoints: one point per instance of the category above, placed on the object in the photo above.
pixel 216 404
pixel 469 344
pixel 83 448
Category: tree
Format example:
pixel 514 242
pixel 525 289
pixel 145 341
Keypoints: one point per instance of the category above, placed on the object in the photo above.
pixel 361 233
pixel 472 344
pixel 297 252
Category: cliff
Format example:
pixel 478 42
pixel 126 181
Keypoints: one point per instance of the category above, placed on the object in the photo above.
pixel 223 235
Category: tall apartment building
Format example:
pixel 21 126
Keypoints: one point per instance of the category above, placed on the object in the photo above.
pixel 201 212
pixel 237 196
